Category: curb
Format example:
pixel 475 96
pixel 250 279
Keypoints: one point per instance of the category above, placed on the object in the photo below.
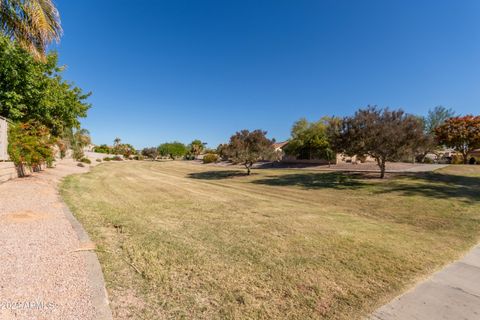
pixel 94 270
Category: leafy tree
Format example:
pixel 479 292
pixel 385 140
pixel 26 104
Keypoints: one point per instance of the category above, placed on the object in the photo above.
pixel 436 117
pixel 34 24
pixel 222 151
pixel 33 90
pixel 247 147
pixel 125 149
pixel 428 143
pixel 151 153
pixel 103 148
pixel 30 145
pixel 461 134
pixel 310 140
pixel 386 135
pixel 77 140
pixel 173 150
pixel 196 147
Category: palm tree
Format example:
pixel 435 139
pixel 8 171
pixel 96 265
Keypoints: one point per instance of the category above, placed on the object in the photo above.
pixel 117 141
pixel 34 24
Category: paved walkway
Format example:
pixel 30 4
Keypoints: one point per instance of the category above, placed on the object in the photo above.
pixel 450 294
pixel 47 267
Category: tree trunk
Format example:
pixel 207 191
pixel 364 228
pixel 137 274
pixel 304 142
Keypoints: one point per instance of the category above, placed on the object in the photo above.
pixel 465 158
pixel 247 165
pixel 381 164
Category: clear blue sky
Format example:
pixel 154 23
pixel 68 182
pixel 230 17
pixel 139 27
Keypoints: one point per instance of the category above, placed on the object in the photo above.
pixel 180 70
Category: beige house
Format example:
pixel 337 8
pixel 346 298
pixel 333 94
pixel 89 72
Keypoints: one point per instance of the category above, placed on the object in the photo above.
pixel 340 158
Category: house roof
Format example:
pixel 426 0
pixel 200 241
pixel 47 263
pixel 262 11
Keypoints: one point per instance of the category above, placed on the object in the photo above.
pixel 475 152
pixel 280 145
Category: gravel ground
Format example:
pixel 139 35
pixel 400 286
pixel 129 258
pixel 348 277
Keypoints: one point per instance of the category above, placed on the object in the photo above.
pixel 42 274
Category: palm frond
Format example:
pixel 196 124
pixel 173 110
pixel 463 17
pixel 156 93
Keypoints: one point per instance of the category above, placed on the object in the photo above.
pixel 34 24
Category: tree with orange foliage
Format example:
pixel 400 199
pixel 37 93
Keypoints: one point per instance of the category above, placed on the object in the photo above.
pixel 460 133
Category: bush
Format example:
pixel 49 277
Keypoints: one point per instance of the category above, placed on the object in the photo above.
pixel 138 157
pixel 189 156
pixel 428 160
pixel 117 158
pixel 99 160
pixel 86 160
pixel 80 164
pixel 30 145
pixel 107 159
pixel 457 159
pixel 210 158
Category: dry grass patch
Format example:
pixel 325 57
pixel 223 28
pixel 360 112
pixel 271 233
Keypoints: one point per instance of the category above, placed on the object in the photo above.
pixel 185 241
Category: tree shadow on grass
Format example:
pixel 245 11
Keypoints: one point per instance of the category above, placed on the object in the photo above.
pixel 430 184
pixel 217 175
pixel 436 185
pixel 336 180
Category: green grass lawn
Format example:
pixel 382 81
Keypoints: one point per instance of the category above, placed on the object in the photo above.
pixel 186 241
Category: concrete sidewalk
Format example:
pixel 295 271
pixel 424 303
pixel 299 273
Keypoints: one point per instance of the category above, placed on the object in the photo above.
pixel 450 294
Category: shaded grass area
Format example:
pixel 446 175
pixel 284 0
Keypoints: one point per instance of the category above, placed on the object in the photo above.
pixel 185 241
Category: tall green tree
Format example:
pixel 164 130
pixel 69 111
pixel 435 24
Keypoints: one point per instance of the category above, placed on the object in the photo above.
pixel 310 140
pixel 33 24
pixel 173 150
pixel 35 91
pixel 428 143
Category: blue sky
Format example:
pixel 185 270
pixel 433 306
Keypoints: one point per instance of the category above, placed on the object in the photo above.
pixel 181 70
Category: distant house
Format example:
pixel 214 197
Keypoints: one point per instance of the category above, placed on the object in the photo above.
pixel 340 157
pixel 474 157
pixel 278 146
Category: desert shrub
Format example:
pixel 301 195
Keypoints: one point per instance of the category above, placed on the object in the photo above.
pixel 107 159
pixel 428 160
pixel 210 158
pixel 78 153
pixel 189 156
pixel 99 160
pixel 102 149
pixel 80 164
pixel 117 158
pixel 457 159
pixel 86 160
pixel 138 157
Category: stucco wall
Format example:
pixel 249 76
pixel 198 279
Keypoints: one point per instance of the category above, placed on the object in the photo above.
pixel 7 171
pixel 3 139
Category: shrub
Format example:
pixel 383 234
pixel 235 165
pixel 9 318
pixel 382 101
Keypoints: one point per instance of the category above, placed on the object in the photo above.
pixel 117 158
pixel 30 145
pixel 428 160
pixel 77 153
pixel 107 159
pixel 99 160
pixel 86 160
pixel 80 164
pixel 457 159
pixel 189 156
pixel 210 158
